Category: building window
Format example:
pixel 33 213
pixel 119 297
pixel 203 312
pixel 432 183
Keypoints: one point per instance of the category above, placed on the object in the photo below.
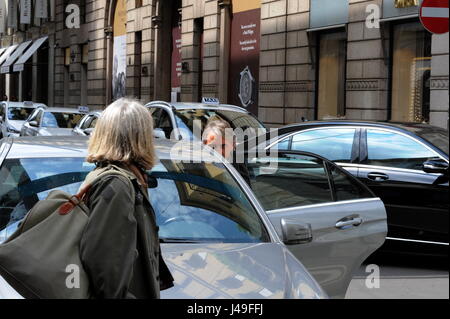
pixel 410 75
pixel 138 3
pixel 332 75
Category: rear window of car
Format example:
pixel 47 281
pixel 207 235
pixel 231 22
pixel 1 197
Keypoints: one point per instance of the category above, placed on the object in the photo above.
pixel 61 120
pixel 193 202
pixel 199 117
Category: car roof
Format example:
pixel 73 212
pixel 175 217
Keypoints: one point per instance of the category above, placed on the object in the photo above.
pixel 195 105
pixel 410 127
pixel 63 110
pixel 21 104
pixel 76 146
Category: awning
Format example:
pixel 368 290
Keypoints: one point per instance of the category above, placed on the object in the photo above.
pixel 19 65
pixel 7 53
pixel 2 50
pixel 6 67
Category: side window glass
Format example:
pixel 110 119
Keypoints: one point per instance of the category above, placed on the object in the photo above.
pixel 289 181
pixel 39 117
pixel 86 122
pixel 93 122
pixel 283 145
pixel 165 124
pixel 2 111
pixel 395 150
pixel 333 144
pixel 346 188
pixel 156 114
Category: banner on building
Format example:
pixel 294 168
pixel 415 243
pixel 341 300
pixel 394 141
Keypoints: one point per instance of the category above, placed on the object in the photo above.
pixel 25 11
pixel 41 9
pixel 12 14
pixel 3 16
pixel 244 54
pixel 176 53
pixel 120 51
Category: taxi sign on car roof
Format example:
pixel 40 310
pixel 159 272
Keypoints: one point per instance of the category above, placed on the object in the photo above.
pixel 210 100
pixel 83 109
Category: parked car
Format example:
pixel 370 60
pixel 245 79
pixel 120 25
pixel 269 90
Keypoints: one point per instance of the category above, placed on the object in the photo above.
pixel 405 164
pixel 87 124
pixel 218 235
pixel 13 115
pixel 188 120
pixel 51 122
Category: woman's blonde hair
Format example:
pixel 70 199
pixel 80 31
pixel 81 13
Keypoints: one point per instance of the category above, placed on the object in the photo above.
pixel 123 133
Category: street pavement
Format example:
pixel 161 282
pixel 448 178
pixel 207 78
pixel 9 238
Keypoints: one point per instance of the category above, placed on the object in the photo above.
pixel 402 277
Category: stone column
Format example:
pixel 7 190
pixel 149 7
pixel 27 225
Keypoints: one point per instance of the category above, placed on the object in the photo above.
pixel 225 29
pixel 273 61
pixel 367 67
pixel 439 110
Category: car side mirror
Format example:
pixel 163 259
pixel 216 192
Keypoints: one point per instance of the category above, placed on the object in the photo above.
pixel 435 167
pixel 159 133
pixel 34 123
pixel 88 131
pixel 295 233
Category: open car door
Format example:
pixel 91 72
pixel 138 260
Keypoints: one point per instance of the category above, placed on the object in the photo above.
pixel 338 220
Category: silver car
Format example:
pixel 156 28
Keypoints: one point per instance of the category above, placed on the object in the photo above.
pixel 187 120
pixel 87 124
pixel 220 237
pixel 51 121
pixel 13 115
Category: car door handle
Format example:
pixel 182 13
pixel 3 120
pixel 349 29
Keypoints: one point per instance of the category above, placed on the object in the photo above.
pixel 347 223
pixel 378 177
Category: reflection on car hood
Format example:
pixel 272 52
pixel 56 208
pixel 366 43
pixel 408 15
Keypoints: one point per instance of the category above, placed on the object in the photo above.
pixel 55 131
pixel 242 271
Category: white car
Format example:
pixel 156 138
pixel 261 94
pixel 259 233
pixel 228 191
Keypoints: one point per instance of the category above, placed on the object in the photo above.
pixel 13 116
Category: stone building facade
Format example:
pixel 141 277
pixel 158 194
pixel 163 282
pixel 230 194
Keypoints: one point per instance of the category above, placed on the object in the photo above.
pixel 285 60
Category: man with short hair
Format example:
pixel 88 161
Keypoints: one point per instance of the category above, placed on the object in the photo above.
pixel 219 135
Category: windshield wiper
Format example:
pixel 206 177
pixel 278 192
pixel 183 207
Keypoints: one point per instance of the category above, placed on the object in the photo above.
pixel 179 241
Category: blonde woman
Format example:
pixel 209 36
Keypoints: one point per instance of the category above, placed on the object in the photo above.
pixel 120 247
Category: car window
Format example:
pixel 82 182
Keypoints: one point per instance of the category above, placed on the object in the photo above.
pixel 61 120
pixel 295 180
pixel 26 181
pixel 199 117
pixel 198 202
pixel 93 123
pixel 19 113
pixel 86 122
pixel 34 115
pixel 165 123
pixel 345 187
pixel 156 113
pixel 202 202
pixel 391 149
pixel 335 144
pixel 2 111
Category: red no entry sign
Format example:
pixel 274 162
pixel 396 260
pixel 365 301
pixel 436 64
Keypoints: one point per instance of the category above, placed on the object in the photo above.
pixel 434 15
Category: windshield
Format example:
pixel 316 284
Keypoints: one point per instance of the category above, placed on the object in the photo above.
pixel 193 202
pixel 19 113
pixel 61 120
pixel 200 117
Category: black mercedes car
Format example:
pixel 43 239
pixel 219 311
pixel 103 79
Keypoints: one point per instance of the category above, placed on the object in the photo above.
pixel 405 164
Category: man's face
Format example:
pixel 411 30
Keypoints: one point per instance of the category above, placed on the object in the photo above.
pixel 221 145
